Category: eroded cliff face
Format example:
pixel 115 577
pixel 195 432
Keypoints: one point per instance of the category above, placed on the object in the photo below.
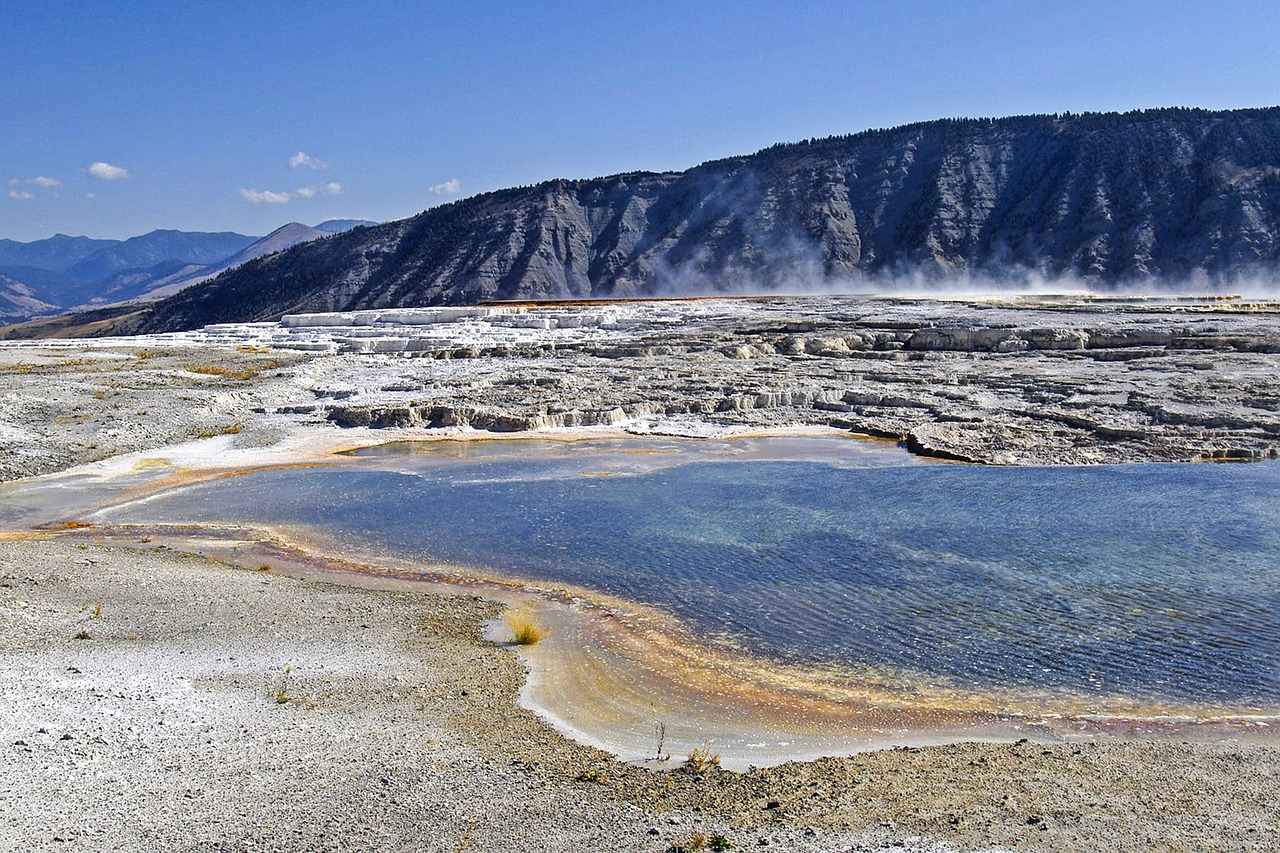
pixel 1139 198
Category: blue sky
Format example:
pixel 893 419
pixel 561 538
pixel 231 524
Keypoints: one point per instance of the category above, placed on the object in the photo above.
pixel 194 113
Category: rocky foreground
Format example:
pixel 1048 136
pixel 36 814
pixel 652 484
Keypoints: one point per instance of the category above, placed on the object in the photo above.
pixel 1015 381
pixel 151 700
pixel 145 702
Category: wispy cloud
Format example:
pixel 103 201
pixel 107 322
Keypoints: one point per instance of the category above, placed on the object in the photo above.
pixel 21 195
pixel 264 197
pixel 453 186
pixel 47 183
pixel 304 160
pixel 273 197
pixel 106 172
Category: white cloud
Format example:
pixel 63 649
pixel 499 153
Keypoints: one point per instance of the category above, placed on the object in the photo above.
pixel 19 195
pixel 48 183
pixel 90 195
pixel 449 187
pixel 302 159
pixel 107 172
pixel 264 197
pixel 331 188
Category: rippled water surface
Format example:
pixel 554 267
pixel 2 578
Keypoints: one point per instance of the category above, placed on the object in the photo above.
pixel 1155 582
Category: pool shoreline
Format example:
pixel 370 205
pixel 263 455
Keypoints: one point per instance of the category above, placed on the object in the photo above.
pixel 614 696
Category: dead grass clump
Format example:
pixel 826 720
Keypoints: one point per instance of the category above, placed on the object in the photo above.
pixel 525 630
pixel 701 760
pixel 227 429
pixel 64 525
pixel 243 372
pixel 282 691
pixel 211 369
pixel 701 841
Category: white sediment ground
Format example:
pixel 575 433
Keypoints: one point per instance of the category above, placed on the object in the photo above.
pixel 172 722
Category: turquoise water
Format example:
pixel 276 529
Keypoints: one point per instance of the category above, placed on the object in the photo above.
pixel 1154 582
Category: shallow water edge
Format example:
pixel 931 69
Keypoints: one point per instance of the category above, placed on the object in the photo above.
pixel 613 674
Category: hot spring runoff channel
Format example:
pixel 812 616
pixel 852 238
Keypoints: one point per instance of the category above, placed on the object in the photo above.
pixel 1157 583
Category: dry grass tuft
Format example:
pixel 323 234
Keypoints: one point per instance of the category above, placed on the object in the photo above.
pixel 64 525
pixel 242 372
pixel 282 691
pixel 210 369
pixel 701 841
pixel 701 760
pixel 525 630
pixel 226 429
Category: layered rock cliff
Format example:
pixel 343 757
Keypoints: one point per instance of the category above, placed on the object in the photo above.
pixel 1147 198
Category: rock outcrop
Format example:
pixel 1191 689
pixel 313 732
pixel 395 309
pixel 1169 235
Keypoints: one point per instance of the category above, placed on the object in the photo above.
pixel 1109 199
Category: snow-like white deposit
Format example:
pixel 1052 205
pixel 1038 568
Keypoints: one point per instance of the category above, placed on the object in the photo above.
pixel 411 330
pixel 489 329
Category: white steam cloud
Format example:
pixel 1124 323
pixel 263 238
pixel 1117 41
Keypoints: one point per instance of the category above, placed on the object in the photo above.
pixel 106 172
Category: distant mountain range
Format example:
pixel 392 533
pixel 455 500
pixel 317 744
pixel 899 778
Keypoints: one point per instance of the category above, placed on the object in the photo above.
pixel 1157 198
pixel 47 276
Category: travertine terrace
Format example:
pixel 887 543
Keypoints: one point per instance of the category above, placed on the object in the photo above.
pixel 1006 379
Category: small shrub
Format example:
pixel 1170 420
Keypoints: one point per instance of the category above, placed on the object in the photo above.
pixel 701 841
pixel 525 631
pixel 696 841
pixel 592 775
pixel 701 760
pixel 82 634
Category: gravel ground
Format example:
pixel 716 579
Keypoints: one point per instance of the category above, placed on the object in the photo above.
pixel 152 699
